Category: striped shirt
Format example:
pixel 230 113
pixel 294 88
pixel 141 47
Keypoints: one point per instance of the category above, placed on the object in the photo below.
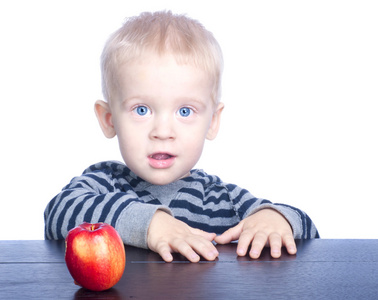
pixel 109 192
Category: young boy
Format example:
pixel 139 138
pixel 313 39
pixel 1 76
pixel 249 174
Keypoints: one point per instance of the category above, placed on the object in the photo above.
pixel 161 78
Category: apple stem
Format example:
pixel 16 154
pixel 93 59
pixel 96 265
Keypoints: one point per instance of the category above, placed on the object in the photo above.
pixel 93 227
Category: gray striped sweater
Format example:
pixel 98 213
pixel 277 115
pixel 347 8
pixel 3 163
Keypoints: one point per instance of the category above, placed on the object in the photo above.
pixel 109 192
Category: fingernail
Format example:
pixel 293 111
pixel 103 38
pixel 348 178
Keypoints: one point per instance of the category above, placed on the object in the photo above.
pixel 195 256
pixel 213 254
pixel 167 258
pixel 241 251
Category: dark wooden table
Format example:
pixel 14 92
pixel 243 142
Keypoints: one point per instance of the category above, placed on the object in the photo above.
pixel 322 269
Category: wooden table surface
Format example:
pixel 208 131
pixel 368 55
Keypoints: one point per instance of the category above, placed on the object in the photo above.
pixel 322 269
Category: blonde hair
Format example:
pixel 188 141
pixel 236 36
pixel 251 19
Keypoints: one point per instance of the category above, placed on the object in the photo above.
pixel 161 32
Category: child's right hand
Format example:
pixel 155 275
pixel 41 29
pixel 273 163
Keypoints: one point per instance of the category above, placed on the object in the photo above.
pixel 167 234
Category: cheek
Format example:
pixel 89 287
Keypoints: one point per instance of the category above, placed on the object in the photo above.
pixel 200 134
pixel 126 130
pixel 129 140
pixel 194 141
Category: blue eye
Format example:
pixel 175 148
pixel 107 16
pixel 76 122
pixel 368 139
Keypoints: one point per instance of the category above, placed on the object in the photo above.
pixel 185 111
pixel 142 110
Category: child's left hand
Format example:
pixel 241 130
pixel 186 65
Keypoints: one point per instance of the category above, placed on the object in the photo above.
pixel 265 227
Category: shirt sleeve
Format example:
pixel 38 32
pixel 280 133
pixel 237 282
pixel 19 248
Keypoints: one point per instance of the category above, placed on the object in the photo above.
pixel 94 197
pixel 246 204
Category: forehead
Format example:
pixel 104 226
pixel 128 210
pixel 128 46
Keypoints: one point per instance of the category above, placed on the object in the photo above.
pixel 163 76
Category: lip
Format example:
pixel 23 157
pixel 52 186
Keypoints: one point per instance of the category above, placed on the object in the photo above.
pixel 161 160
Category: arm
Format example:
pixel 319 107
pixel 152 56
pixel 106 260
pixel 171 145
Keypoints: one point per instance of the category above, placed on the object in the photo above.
pixel 94 197
pixel 264 223
pixel 91 198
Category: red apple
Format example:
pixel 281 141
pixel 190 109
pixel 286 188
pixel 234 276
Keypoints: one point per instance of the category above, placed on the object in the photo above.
pixel 95 256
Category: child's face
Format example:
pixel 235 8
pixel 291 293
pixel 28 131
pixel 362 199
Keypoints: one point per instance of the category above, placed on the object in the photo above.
pixel 162 117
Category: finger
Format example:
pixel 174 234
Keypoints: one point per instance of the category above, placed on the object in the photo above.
pixel 207 250
pixel 207 235
pixel 275 242
pixel 201 242
pixel 244 242
pixel 165 252
pixel 229 235
pixel 185 249
pixel 289 243
pixel 258 243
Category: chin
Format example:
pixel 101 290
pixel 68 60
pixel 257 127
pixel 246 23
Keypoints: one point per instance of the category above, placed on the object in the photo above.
pixel 160 181
pixel 163 179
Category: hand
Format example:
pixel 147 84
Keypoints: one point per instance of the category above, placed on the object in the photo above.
pixel 266 227
pixel 167 234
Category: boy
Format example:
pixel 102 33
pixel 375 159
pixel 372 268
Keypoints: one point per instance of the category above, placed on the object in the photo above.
pixel 161 78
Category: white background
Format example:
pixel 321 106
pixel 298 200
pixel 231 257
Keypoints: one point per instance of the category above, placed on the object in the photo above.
pixel 300 88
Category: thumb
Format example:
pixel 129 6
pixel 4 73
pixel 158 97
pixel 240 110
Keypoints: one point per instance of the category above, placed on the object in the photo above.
pixel 229 235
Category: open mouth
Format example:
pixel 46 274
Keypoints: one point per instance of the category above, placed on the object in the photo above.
pixel 161 156
pixel 161 160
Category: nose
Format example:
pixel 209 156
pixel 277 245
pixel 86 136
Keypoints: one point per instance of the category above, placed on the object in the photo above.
pixel 163 128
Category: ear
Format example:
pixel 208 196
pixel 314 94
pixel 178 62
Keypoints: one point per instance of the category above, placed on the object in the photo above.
pixel 215 123
pixel 104 117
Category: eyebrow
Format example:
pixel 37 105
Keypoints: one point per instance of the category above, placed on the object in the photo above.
pixel 142 98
